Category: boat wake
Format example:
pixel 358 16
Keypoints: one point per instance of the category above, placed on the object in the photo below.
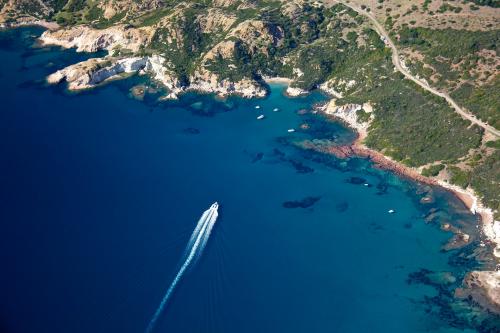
pixel 194 249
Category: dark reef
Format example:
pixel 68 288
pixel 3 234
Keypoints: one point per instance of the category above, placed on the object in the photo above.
pixel 257 157
pixel 356 180
pixel 342 207
pixel 304 203
pixel 191 130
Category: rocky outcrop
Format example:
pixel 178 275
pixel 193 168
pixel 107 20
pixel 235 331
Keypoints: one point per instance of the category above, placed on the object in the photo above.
pixel 23 11
pixel 78 75
pixel 216 20
pixel 92 72
pixel 111 8
pixel 86 39
pixel 257 35
pixel 89 73
pixel 295 92
pixel 225 3
pixel 330 89
pixel 156 67
pixel 349 114
pixel 209 82
pixel 484 288
pixel 224 49
pixel 338 87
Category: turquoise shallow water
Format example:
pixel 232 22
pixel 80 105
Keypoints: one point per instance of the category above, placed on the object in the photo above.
pixel 100 193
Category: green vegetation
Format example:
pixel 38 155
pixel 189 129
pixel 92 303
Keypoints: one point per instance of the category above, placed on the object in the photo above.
pixel 426 4
pixel 363 116
pixel 183 55
pixel 447 7
pixel 483 101
pixel 458 176
pixel 453 56
pixel 490 3
pixel 315 44
pixel 493 144
pixel 31 7
pixel 94 13
pixel 449 43
pixel 58 4
pixel 307 39
pixel 485 178
pixel 419 128
pixel 103 23
pixel 433 170
pixel 153 17
pixel 75 5
pixel 410 124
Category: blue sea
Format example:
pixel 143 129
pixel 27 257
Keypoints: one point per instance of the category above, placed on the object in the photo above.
pixel 100 192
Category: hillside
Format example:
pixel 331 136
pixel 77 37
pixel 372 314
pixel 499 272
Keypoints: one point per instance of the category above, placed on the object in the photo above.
pixel 232 46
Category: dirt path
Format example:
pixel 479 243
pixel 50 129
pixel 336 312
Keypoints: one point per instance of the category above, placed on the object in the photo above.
pixel 397 63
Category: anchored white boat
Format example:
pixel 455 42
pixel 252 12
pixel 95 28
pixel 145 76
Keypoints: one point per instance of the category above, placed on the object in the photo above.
pixel 260 117
pixel 291 130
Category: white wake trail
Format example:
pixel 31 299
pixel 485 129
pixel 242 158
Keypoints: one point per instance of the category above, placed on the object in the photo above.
pixel 210 224
pixel 196 232
pixel 195 247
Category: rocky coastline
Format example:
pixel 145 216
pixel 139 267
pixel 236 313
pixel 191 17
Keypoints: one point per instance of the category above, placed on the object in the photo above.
pixel 30 22
pixel 92 72
pixel 482 286
pixel 96 71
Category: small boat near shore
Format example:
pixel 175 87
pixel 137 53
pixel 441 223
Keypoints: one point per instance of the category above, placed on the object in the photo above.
pixel 291 130
pixel 276 110
pixel 260 117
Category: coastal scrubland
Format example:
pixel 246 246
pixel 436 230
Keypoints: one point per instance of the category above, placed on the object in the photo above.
pixel 330 47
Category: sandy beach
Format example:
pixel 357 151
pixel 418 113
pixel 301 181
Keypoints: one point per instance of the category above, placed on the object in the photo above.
pixel 282 80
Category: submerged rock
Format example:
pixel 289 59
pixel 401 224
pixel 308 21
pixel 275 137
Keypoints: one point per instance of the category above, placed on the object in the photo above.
pixel 197 105
pixel 428 198
pixel 300 167
pixel 484 288
pixel 356 180
pixel 257 157
pixel 191 130
pixel 304 203
pixel 138 92
pixel 382 188
pixel 342 207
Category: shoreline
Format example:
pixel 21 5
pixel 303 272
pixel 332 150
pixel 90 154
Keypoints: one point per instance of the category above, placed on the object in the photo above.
pixel 489 227
pixel 277 79
pixel 483 286
pixel 468 197
pixel 35 23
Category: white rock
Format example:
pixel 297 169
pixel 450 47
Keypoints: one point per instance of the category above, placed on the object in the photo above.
pixel 294 92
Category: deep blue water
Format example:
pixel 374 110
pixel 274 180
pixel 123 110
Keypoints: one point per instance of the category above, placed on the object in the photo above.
pixel 100 192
